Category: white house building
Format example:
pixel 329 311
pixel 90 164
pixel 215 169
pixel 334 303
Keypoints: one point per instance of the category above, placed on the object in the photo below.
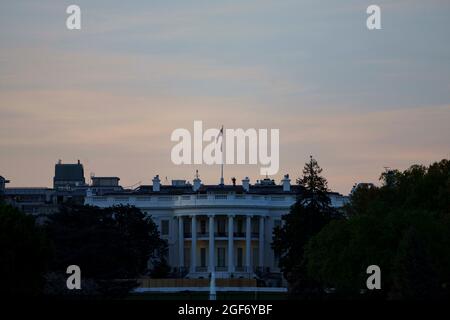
pixel 223 228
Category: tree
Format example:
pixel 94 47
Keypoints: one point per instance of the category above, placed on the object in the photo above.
pixel 361 197
pixel 315 188
pixel 112 246
pixel 402 226
pixel 310 213
pixel 24 252
pixel 415 276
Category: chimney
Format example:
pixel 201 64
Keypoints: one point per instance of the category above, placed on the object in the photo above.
pixel 246 184
pixel 156 183
pixel 197 182
pixel 286 182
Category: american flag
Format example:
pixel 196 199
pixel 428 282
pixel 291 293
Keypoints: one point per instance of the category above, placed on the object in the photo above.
pixel 218 136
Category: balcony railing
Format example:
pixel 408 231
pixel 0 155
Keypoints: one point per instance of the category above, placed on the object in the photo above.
pixel 188 235
pixel 197 200
pixel 221 269
pixel 225 269
pixel 240 269
pixel 201 269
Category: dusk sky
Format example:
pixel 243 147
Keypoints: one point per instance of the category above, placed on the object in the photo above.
pixel 111 93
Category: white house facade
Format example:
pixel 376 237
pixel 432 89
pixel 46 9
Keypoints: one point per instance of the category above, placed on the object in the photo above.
pixel 227 229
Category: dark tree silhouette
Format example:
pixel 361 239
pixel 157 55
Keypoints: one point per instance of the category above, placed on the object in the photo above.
pixel 112 246
pixel 310 213
pixel 315 187
pixel 402 226
pixel 24 252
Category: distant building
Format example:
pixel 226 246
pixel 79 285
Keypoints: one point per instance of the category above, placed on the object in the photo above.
pixel 3 183
pixel 34 201
pixel 68 187
pixel 227 229
pixel 68 176
pixel 103 185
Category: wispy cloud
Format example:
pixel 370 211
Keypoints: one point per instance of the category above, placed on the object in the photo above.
pixel 112 93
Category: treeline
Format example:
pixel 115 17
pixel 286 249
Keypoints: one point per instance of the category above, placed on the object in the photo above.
pixel 113 247
pixel 402 226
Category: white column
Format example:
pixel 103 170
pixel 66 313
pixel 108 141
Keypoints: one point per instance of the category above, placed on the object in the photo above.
pixel 248 243
pixel 194 243
pixel 180 242
pixel 211 244
pixel 261 241
pixel 230 244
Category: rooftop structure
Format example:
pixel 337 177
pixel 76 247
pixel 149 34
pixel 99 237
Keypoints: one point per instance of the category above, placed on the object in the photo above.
pixel 3 183
pixel 68 175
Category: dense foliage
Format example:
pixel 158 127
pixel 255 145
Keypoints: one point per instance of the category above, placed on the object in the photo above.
pixel 402 226
pixel 109 245
pixel 24 253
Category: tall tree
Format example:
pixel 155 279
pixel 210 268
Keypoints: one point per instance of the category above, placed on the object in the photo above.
pixel 315 187
pixel 310 213
pixel 414 274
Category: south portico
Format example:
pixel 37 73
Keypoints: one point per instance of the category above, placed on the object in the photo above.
pixel 229 243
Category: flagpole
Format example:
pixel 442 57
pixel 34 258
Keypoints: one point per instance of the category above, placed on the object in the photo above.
pixel 221 172
pixel 221 166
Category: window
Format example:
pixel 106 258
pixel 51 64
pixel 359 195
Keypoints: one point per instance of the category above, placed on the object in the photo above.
pixel 255 257
pixel 187 256
pixel 202 257
pixel 240 257
pixel 221 257
pixel 221 226
pixel 164 227
pixel 255 226
pixel 186 226
pixel 203 226
pixel 240 226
